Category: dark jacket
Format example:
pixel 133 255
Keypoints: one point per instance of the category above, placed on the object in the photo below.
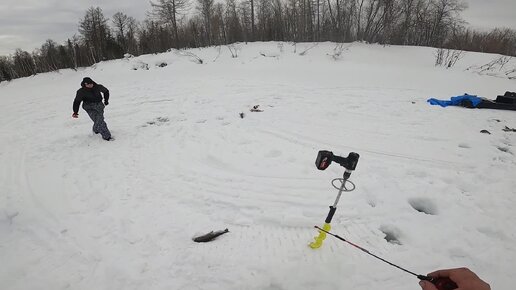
pixel 92 95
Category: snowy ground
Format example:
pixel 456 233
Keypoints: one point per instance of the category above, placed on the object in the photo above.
pixel 77 212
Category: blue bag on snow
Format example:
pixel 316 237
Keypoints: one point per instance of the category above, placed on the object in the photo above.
pixel 456 101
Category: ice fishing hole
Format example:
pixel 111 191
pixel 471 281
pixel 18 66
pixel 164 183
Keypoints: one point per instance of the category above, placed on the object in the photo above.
pixel 423 205
pixel 392 234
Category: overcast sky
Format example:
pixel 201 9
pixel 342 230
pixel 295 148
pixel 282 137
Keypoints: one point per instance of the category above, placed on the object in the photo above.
pixel 26 24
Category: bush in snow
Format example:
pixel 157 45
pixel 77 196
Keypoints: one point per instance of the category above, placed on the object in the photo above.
pixel 500 66
pixel 447 57
pixel 141 65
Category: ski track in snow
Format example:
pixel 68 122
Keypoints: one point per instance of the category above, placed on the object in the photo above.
pixel 79 213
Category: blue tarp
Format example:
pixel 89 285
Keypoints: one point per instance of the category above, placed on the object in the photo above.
pixel 456 101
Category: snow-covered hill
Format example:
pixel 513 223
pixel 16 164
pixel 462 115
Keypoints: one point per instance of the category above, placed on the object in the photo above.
pixel 77 212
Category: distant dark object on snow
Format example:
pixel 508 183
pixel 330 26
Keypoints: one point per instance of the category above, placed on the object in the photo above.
pixel 256 109
pixel 507 129
pixel 485 132
pixel 163 64
pixel 210 236
pixel 242 115
pixel 507 98
pixel 141 65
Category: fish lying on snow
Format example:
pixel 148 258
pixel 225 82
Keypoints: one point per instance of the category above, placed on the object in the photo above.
pixel 209 236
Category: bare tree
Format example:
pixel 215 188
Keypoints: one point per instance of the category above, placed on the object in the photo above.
pixel 445 15
pixel 219 27
pixel 252 20
pixel 24 65
pixel 130 36
pixel 277 21
pixel 169 12
pixel 263 16
pixel 234 27
pixel 244 15
pixel 206 9
pixel 95 32
pixel 121 24
pixel 7 71
pixel 153 37
pixel 49 56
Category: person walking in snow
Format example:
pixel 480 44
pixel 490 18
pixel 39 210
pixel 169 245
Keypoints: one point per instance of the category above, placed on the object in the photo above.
pixel 90 94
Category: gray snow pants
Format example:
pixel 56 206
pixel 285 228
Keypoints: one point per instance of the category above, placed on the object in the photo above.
pixel 96 113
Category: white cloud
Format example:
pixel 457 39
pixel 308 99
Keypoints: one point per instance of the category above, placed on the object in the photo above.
pixel 484 14
pixel 26 24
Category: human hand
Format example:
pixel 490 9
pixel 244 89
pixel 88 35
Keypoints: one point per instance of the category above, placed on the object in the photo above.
pixel 463 277
pixel 75 115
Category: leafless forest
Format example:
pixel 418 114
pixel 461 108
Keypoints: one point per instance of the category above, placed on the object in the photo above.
pixel 183 24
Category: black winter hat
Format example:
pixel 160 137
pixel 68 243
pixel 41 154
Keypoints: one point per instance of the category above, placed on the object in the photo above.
pixel 86 80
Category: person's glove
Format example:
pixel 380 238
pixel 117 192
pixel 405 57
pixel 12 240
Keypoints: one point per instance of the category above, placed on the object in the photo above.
pixel 75 115
pixel 106 102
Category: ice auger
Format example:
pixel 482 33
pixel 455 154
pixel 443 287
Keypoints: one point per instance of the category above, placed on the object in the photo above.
pixel 324 159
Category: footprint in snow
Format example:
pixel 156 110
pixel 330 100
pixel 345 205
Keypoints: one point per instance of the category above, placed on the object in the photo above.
pixel 423 205
pixel 505 149
pixel 464 145
pixel 158 121
pixel 273 154
pixel 492 233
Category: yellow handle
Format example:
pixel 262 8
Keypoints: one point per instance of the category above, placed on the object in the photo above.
pixel 320 238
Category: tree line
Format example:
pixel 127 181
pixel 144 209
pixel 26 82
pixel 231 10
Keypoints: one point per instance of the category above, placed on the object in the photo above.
pixel 197 23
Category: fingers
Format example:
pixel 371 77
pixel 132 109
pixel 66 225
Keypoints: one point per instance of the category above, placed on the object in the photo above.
pixel 463 277
pixel 457 274
pixel 425 285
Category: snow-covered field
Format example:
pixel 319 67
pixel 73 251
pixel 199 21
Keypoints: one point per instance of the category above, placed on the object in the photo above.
pixel 77 212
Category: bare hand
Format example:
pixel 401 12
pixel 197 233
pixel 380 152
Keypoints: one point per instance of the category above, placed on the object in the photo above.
pixel 463 277
pixel 75 115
